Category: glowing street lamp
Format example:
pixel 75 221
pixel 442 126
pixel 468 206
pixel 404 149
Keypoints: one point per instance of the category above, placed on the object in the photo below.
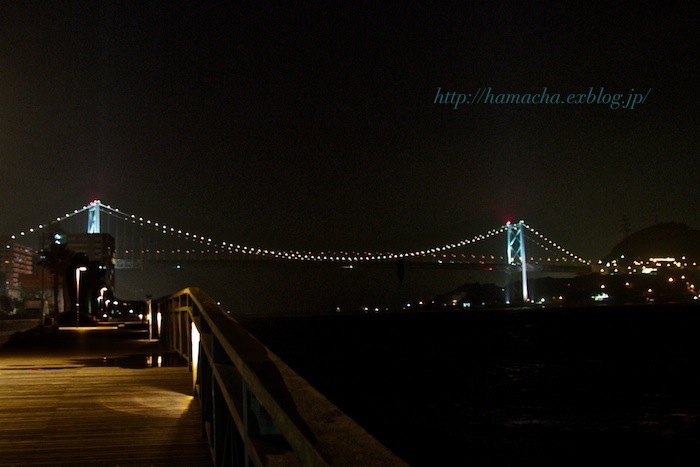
pixel 101 300
pixel 78 272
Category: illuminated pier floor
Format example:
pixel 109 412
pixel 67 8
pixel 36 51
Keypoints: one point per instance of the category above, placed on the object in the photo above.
pixel 94 397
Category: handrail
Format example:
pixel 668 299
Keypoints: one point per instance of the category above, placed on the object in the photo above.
pixel 255 409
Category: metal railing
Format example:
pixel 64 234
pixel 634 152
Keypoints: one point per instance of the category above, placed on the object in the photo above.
pixel 255 409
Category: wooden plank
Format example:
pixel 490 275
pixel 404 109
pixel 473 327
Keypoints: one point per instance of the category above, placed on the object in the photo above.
pixel 55 410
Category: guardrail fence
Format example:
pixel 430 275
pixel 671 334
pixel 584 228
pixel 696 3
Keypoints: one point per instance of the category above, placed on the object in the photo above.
pixel 255 409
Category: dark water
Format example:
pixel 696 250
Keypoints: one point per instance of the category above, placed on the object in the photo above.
pixel 272 288
pixel 613 386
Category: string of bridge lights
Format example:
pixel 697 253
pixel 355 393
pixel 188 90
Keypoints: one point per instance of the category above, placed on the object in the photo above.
pixel 553 244
pixel 39 227
pixel 297 255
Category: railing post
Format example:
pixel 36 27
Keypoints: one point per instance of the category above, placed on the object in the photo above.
pixel 246 428
pixel 219 414
pixel 256 421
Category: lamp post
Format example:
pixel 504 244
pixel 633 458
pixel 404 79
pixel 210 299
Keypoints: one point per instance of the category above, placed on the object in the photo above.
pixel 101 299
pixel 149 316
pixel 78 272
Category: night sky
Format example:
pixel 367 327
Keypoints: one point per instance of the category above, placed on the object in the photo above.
pixel 315 127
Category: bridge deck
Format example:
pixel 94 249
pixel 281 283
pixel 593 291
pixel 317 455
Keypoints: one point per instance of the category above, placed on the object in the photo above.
pixel 93 397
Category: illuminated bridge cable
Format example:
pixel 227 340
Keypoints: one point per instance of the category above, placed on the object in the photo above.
pixel 207 245
pixel 554 245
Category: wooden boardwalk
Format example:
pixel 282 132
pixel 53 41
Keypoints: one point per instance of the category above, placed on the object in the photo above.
pixel 96 397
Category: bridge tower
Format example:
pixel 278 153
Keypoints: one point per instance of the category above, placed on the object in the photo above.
pixel 93 226
pixel 516 251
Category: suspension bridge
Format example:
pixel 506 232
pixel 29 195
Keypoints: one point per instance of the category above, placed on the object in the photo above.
pixel 142 239
pixel 515 249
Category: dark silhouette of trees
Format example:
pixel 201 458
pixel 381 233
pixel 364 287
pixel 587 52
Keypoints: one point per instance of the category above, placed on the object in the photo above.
pixel 57 258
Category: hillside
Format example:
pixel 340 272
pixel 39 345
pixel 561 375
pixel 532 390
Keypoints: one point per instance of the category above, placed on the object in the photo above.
pixel 669 239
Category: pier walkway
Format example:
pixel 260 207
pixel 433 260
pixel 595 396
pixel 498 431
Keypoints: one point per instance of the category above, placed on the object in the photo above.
pixel 97 396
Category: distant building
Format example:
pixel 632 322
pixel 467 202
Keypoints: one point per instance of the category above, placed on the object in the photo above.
pixel 40 284
pixel 16 260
